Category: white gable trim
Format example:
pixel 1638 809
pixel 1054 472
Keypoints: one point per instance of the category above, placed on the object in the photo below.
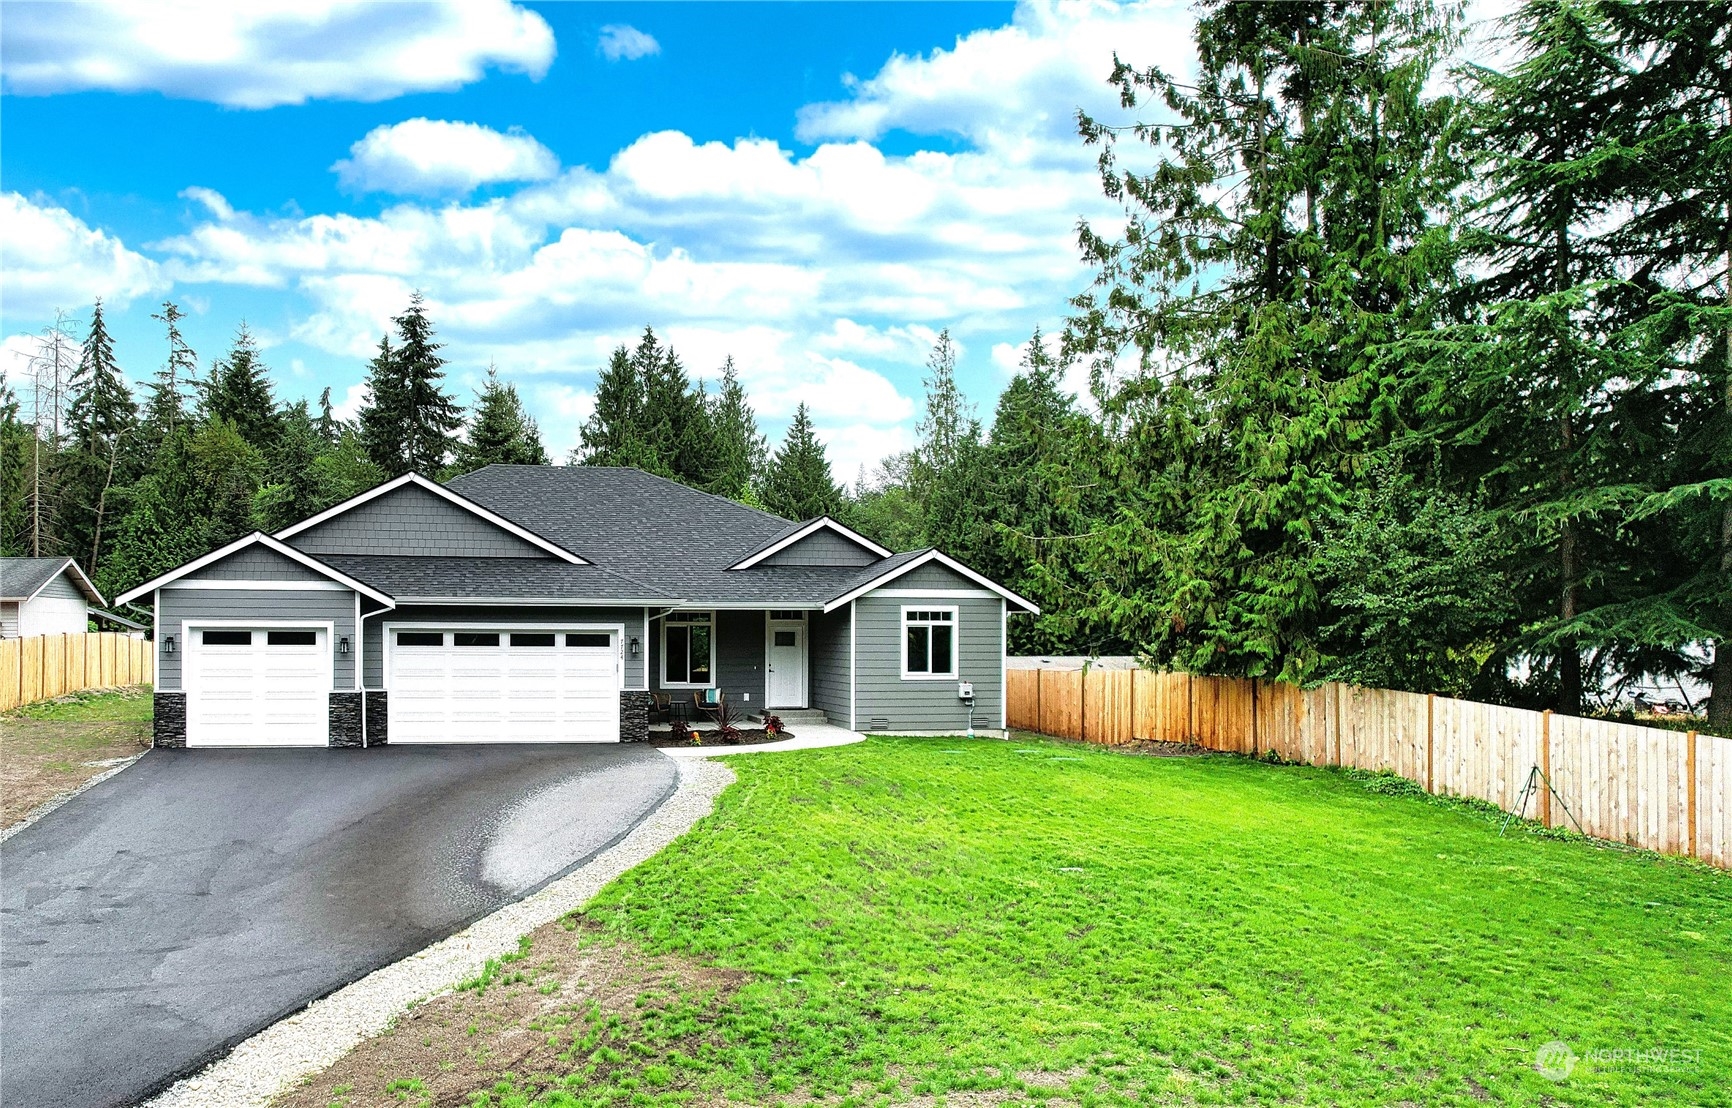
pixel 820 524
pixel 445 494
pixel 947 562
pixel 257 538
pixel 83 583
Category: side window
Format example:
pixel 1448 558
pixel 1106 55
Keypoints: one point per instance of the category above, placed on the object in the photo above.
pixel 929 642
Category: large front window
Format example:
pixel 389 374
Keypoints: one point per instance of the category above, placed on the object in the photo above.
pixel 688 649
pixel 929 642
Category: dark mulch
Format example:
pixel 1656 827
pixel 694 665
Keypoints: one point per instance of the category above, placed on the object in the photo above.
pixel 754 736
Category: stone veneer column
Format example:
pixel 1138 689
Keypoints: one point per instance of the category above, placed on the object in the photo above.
pixel 168 725
pixel 378 732
pixel 345 725
pixel 634 717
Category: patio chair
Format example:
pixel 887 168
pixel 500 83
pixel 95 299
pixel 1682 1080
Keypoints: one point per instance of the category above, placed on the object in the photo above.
pixel 661 707
pixel 707 701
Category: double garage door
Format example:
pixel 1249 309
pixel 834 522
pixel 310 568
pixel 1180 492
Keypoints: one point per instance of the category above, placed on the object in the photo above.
pixel 270 686
pixel 473 685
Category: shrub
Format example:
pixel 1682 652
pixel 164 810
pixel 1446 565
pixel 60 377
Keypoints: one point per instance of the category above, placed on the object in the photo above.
pixel 772 725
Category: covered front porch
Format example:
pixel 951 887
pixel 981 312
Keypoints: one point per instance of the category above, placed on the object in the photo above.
pixel 756 658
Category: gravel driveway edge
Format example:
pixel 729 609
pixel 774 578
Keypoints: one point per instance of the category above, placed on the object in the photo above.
pixel 315 1037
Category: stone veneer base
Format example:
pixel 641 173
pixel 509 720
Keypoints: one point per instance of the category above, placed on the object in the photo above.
pixel 378 722
pixel 168 725
pixel 634 717
pixel 345 719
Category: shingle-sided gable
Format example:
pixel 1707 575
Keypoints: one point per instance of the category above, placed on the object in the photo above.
pixel 411 520
pixel 822 548
pixel 255 563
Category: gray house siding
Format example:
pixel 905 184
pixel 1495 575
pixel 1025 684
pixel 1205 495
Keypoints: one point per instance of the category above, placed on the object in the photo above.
pixel 828 635
pixel 739 658
pixel 178 605
pixel 883 700
pixel 822 548
pixel 411 520
pixel 9 619
pixel 61 587
pixel 372 646
pixel 256 563
pixel 933 576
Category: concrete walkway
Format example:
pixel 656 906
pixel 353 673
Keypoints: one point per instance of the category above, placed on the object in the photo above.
pixel 808 736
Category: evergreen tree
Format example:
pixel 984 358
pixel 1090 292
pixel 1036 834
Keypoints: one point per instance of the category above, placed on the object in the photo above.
pixel 1289 231
pixel 101 418
pixel 501 432
pixel 327 425
pixel 614 434
pixel 409 422
pixel 238 389
pixel 17 441
pixel 798 484
pixel 165 409
pixel 740 451
pixel 292 489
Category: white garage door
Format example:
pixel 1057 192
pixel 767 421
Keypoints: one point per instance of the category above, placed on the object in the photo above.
pixel 554 685
pixel 257 686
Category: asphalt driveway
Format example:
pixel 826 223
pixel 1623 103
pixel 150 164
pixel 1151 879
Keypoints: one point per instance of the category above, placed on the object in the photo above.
pixel 176 908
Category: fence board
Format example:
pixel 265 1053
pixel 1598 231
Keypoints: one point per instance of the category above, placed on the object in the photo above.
pixel 45 666
pixel 1630 784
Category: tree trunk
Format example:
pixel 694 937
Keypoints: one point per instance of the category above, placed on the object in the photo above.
pixel 1569 600
pixel 101 503
pixel 1720 673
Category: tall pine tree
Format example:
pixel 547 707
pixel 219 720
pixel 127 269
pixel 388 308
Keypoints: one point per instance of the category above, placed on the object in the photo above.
pixel 409 423
pixel 238 389
pixel 501 431
pixel 740 451
pixel 101 418
pixel 798 484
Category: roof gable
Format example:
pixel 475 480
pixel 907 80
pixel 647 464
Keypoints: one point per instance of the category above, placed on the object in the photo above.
pixel 908 566
pixel 817 542
pixel 417 517
pixel 241 544
pixel 22 579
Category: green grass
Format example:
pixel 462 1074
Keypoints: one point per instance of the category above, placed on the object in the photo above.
pixel 128 705
pixel 950 915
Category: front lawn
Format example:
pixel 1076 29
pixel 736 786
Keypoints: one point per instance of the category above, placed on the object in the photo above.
pixel 1017 922
pixel 52 746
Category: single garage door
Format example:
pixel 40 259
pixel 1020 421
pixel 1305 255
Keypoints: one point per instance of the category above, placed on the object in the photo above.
pixel 258 686
pixel 553 685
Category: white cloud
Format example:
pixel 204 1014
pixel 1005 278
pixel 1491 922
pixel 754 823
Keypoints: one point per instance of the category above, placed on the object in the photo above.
pixel 264 53
pixel 851 446
pixel 349 407
pixel 49 258
pixel 621 41
pixel 431 156
pixel 211 200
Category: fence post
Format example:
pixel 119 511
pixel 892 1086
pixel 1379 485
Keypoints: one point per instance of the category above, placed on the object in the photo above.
pixel 1255 684
pixel 1546 767
pixel 1690 801
pixel 1082 721
pixel 1430 742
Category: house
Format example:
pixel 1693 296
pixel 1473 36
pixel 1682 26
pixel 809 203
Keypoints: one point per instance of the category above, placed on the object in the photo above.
pixel 549 604
pixel 44 596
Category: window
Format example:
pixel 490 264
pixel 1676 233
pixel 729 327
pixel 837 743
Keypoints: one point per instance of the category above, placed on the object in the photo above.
pixel 688 649
pixel 227 638
pixel 291 638
pixel 928 642
pixel 420 638
pixel 590 639
pixel 533 638
pixel 787 638
pixel 475 638
pixel 790 616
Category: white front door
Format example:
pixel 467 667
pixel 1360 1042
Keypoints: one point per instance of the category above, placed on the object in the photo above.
pixel 475 685
pixel 257 686
pixel 787 665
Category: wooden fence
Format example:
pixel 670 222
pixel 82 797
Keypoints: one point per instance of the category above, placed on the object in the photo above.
pixel 1664 790
pixel 45 666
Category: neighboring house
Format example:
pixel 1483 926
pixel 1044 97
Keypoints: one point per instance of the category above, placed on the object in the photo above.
pixel 548 604
pixel 44 596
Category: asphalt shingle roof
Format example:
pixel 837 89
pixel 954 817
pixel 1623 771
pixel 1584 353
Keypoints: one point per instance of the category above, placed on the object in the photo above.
pixel 528 578
pixel 656 530
pixel 20 578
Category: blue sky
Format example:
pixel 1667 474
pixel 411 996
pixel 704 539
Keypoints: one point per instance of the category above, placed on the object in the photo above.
pixel 815 189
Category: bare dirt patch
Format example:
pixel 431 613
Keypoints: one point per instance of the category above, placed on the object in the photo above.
pixel 572 1008
pixel 43 758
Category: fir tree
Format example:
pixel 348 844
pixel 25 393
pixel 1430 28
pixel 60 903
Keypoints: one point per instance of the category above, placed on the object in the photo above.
pixel 101 417
pixel 409 421
pixel 501 432
pixel 798 484
pixel 327 425
pixel 614 433
pixel 165 410
pixel 740 451
pixel 238 389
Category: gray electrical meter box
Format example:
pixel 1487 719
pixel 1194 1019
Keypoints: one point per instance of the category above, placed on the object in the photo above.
pixel 965 690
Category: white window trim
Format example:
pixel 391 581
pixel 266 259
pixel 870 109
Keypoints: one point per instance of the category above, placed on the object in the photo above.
pixel 443 493
pixel 955 641
pixel 804 623
pixel 715 634
pixel 617 630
